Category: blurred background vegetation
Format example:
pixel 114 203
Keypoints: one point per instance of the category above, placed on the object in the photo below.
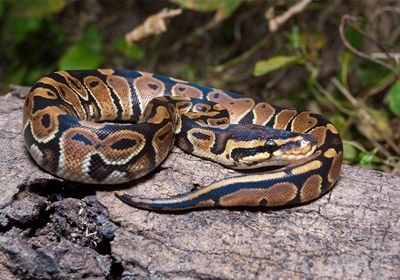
pixel 339 58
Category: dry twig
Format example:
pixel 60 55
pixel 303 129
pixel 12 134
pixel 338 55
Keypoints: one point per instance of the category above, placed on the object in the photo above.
pixel 154 24
pixel 276 22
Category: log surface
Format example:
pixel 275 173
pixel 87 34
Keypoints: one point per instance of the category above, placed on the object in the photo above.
pixel 54 229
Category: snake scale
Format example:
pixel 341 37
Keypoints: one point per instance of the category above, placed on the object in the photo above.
pixel 113 126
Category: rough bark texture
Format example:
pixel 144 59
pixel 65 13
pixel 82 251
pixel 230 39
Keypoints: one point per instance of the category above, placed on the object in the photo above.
pixel 52 229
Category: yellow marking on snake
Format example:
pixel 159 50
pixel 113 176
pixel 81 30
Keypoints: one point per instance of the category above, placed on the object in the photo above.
pixel 107 72
pixel 332 128
pixel 310 166
pixel 336 164
pixel 161 115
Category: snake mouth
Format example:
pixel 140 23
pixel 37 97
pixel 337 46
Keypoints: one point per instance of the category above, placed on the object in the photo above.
pixel 294 149
pixel 278 152
pixel 290 155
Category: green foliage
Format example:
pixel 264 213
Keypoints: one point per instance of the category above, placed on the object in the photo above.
pixel 223 8
pixel 26 31
pixel 36 37
pixel 356 76
pixel 394 98
pixel 86 54
pixel 37 9
pixel 354 37
pixel 226 7
pixel 263 67
pixel 370 74
pixel 367 158
pixel 133 52
pixel 350 153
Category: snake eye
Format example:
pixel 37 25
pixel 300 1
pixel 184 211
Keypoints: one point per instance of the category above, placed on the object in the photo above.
pixel 271 145
pixel 201 108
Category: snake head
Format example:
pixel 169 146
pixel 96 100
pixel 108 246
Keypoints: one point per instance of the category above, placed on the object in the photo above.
pixel 260 146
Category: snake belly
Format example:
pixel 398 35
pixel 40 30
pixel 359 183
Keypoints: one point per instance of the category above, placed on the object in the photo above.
pixel 112 126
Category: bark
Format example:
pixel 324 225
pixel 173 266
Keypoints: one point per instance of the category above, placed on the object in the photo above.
pixel 55 229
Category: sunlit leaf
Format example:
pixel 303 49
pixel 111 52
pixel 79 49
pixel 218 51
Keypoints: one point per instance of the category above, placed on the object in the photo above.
pixel 79 57
pixel 224 8
pixel 368 158
pixel 350 153
pixel 199 5
pixel 38 9
pixel 83 55
pixel 394 98
pixel 263 67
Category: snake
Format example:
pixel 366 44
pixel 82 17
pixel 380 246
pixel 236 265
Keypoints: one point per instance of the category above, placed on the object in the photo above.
pixel 110 126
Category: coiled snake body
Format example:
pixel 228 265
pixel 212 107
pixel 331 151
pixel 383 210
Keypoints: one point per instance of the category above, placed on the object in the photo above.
pixel 113 126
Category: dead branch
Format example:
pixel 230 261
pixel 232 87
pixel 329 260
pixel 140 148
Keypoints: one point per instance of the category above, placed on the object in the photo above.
pixel 154 24
pixel 276 22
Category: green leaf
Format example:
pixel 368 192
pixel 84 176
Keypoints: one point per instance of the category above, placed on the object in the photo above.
pixel 91 38
pixel 350 153
pixel 134 51
pixel 37 9
pixel 224 8
pixel 394 98
pixel 21 28
pixel 228 7
pixel 294 37
pixel 78 56
pixel 370 74
pixel 2 4
pixel 368 158
pixel 199 5
pixel 83 55
pixel 280 61
pixel 345 67
pixel 339 122
pixel 354 37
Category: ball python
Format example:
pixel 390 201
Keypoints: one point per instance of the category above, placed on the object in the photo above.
pixel 113 126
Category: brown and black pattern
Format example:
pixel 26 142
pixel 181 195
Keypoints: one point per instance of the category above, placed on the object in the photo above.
pixel 111 126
